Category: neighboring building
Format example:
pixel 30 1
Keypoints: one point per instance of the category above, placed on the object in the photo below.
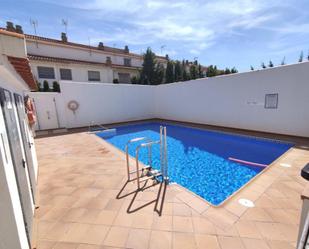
pixel 18 163
pixel 55 60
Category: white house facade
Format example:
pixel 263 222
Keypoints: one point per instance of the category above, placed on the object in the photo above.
pixel 18 162
pixel 55 60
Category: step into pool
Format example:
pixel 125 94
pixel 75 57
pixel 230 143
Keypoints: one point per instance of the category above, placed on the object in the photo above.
pixel 212 164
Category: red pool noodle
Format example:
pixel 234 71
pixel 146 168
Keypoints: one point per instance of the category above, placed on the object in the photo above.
pixel 247 162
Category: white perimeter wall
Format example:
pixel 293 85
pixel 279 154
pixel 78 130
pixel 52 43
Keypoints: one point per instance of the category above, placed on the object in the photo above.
pixel 238 100
pixel 232 101
pixel 106 103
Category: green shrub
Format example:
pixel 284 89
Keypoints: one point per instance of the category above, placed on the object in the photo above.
pixel 56 87
pixel 39 86
pixel 134 80
pixel 46 86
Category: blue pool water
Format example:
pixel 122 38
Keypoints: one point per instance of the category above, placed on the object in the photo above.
pixel 198 159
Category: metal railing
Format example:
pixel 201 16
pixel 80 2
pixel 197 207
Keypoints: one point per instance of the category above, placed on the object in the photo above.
pixel 96 127
pixel 152 174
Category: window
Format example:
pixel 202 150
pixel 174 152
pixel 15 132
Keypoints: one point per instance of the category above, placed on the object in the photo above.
pixel 127 62
pixel 271 101
pixel 65 74
pixel 93 75
pixel 46 72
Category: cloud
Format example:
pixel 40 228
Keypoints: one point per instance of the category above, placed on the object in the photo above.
pixel 194 26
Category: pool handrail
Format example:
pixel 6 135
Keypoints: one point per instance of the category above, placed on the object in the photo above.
pixel 134 140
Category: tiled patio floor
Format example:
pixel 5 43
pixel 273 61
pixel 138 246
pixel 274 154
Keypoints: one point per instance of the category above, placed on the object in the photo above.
pixel 82 205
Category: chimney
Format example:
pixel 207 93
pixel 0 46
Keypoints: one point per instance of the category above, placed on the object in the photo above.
pixel 64 37
pixel 19 29
pixel 126 49
pixel 10 27
pixel 101 46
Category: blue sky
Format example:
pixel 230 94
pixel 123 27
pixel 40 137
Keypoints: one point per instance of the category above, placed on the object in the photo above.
pixel 226 33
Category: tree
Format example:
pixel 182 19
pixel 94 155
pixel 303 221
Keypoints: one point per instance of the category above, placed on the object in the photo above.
pixel 148 69
pixel 56 87
pixel 200 71
pixel 263 65
pixel 135 80
pixel 234 70
pixel 211 72
pixel 308 56
pixel 252 68
pixel 227 71
pixel 271 64
pixel 159 74
pixel 301 56
pixel 178 71
pixel 169 73
pixel 193 72
pixel 185 75
pixel 45 86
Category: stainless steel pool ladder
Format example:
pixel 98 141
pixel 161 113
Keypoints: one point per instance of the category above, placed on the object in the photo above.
pixel 95 126
pixel 147 172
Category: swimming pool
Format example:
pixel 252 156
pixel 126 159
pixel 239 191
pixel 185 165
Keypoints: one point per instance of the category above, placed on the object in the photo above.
pixel 198 159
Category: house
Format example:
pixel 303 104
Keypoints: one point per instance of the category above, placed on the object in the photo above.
pixel 55 60
pixel 18 162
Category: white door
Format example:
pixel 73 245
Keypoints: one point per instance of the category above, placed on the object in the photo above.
pixel 46 112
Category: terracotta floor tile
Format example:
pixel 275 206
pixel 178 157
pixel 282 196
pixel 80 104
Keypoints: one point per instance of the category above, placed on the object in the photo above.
pixel 269 231
pixel 138 239
pixel 89 216
pixel 229 232
pixel 255 243
pixel 87 246
pixel 113 205
pixel 184 241
pixel 289 231
pixel 230 243
pixel 97 203
pixel 86 233
pixel 235 208
pixel 142 220
pixel 57 231
pixel 220 217
pixel 248 229
pixel 278 215
pixel 182 224
pixel 79 183
pixel 204 241
pixel 194 202
pixel 203 225
pixel 266 202
pixel 273 244
pixel 105 217
pixel 55 214
pixel 65 245
pixel 160 240
pixel 73 214
pixel 124 219
pixel 181 209
pixel 46 244
pixel 86 192
pixel 257 214
pixel 164 223
pixel 117 237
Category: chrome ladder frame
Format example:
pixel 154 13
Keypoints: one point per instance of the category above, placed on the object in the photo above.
pixel 93 124
pixel 163 158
